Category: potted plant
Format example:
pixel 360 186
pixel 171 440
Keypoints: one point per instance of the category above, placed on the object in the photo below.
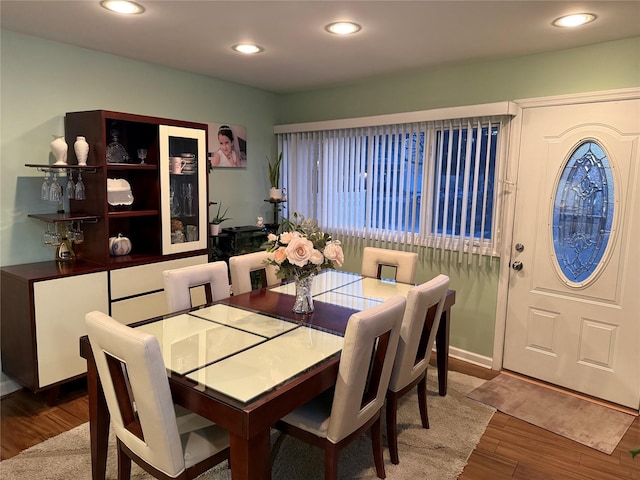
pixel 217 219
pixel 275 193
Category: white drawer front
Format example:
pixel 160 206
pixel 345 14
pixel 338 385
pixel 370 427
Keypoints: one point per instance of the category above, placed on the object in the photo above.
pixel 60 307
pixel 139 308
pixel 126 282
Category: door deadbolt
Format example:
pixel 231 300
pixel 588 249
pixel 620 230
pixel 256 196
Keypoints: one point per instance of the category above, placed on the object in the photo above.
pixel 519 247
pixel 517 265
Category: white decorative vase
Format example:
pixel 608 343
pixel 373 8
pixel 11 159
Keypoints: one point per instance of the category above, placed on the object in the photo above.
pixel 214 229
pixel 275 193
pixel 81 147
pixel 59 149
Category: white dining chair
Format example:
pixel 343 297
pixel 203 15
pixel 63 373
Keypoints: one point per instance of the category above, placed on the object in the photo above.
pixel 214 277
pixel 405 263
pixel 417 335
pixel 167 441
pixel 241 267
pixel 338 416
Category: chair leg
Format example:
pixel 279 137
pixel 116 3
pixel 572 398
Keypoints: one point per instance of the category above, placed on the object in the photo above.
pixel 422 401
pixel 392 427
pixel 330 461
pixel 376 444
pixel 124 464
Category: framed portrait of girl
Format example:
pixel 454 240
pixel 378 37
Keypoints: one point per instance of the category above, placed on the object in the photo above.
pixel 227 146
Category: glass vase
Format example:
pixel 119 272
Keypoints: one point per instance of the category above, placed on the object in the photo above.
pixel 304 300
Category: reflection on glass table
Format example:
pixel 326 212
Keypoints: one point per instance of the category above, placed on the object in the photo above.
pixel 189 342
pixel 256 323
pixel 374 288
pixel 257 370
pixel 323 282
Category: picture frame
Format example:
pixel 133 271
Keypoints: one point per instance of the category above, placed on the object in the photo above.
pixel 227 145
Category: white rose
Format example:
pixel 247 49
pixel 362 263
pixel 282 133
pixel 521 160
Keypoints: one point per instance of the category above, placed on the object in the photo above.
pixel 333 252
pixel 299 251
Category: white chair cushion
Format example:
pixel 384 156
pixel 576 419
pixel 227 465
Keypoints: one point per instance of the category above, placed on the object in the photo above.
pixel 203 443
pixel 314 415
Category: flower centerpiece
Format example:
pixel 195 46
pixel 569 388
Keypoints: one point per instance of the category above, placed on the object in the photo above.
pixel 300 251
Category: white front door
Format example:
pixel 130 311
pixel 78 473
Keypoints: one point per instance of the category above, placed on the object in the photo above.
pixel 573 313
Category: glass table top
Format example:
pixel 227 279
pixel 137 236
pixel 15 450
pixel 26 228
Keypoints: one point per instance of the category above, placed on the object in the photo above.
pixel 374 288
pixel 245 320
pixel 243 354
pixel 348 301
pixel 323 282
pixel 189 342
pixel 259 369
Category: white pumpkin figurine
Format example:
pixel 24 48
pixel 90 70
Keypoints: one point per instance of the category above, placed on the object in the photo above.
pixel 119 245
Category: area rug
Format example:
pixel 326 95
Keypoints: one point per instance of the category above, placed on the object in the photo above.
pixel 457 423
pixel 580 420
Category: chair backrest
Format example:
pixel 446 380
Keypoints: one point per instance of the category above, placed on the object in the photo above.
pixel 178 282
pixel 370 343
pixel 418 332
pixel 136 388
pixel 373 259
pixel 241 267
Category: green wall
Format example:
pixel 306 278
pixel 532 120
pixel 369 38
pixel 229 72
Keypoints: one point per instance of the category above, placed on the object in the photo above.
pixel 42 80
pixel 605 66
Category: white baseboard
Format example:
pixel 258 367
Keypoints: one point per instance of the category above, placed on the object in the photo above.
pixel 471 357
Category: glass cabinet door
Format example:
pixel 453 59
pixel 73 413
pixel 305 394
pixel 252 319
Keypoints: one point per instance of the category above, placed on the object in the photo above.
pixel 183 189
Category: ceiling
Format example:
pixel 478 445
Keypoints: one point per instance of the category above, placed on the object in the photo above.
pixel 396 36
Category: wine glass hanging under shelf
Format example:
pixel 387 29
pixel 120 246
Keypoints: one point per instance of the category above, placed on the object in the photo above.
pixel 53 191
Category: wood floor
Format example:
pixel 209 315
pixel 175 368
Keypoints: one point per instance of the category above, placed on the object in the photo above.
pixel 509 449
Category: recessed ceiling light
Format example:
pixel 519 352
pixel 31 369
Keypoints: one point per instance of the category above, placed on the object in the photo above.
pixel 343 28
pixel 122 6
pixel 574 20
pixel 247 48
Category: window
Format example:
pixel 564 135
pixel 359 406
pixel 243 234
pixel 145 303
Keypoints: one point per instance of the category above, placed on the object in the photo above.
pixel 424 183
pixel 583 213
pixel 464 195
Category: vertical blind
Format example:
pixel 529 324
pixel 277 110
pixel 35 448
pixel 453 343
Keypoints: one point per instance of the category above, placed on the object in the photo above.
pixel 433 184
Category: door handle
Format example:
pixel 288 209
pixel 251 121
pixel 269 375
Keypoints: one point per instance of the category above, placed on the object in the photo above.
pixel 517 265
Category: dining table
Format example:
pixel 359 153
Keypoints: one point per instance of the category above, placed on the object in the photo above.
pixel 246 361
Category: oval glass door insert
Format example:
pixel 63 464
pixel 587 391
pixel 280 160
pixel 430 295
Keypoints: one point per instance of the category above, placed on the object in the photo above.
pixel 583 213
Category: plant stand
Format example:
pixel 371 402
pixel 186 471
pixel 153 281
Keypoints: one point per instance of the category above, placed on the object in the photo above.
pixel 276 208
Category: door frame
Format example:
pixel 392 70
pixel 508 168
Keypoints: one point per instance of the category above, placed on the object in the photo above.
pixel 510 193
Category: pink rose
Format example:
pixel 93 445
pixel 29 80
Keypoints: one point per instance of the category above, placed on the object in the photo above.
pixel 272 238
pixel 316 257
pixel 333 252
pixel 280 255
pixel 286 237
pixel 299 251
